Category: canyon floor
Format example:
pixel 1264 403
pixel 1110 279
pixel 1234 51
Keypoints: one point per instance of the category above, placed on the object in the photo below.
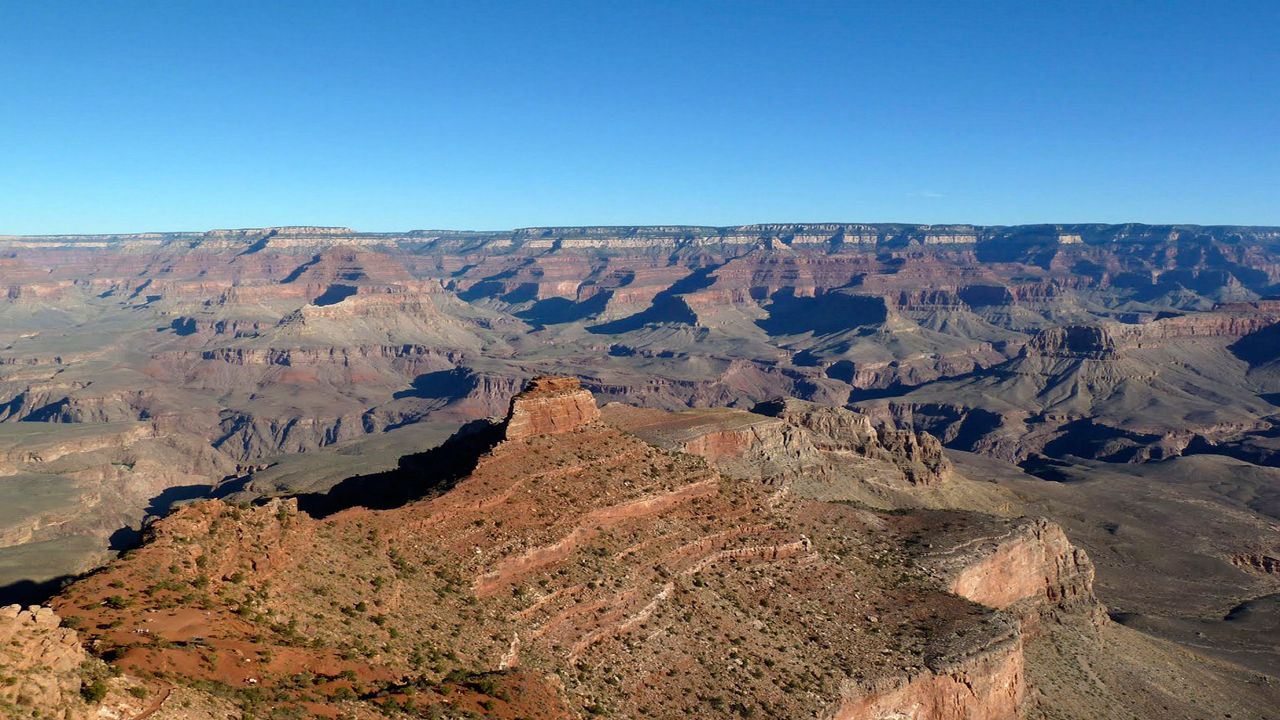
pixel 820 412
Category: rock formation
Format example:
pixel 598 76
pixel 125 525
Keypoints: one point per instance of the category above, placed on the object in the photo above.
pixel 982 680
pixel 39 665
pixel 1100 342
pixel 550 406
pixel 140 370
pixel 1028 565
pixel 575 542
pixel 918 455
pixel 821 452
pixel 573 558
pixel 1257 562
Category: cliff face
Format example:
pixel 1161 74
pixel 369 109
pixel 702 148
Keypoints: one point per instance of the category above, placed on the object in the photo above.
pixel 574 558
pixel 550 406
pixel 1083 341
pixel 1105 340
pixel 970 680
pixel 1026 568
pixel 1027 565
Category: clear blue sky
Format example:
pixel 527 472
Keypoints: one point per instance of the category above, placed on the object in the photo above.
pixel 123 116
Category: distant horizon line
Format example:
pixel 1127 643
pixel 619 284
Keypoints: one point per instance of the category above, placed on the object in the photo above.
pixel 671 226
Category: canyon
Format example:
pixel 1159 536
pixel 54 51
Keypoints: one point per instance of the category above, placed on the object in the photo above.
pixel 578 570
pixel 539 453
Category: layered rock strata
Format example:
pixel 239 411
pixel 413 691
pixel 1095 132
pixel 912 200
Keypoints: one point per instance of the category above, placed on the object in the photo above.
pixel 550 406
pixel 576 558
pixel 1027 565
pixel 796 444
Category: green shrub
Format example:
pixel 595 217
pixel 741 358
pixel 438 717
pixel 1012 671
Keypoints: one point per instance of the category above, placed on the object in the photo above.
pixel 93 692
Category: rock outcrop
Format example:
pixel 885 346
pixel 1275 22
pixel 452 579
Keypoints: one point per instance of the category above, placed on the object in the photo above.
pixel 979 678
pixel 834 430
pixel 1027 566
pixel 1077 341
pixel 550 406
pixel 39 665
pixel 1257 563
pixel 817 451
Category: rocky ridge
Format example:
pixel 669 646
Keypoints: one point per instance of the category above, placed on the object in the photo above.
pixel 1103 341
pixel 1031 566
pixel 573 559
pixel 811 450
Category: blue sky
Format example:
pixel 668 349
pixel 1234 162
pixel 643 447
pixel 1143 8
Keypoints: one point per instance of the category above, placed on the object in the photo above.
pixel 127 116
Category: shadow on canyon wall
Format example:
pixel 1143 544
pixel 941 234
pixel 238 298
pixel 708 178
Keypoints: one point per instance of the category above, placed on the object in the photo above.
pixel 447 385
pixel 32 592
pixel 666 307
pixel 419 475
pixel 129 537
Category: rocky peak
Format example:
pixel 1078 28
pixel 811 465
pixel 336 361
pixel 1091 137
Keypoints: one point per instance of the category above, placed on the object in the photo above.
pixel 550 405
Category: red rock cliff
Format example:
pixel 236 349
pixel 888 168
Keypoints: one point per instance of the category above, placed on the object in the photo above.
pixel 979 680
pixel 1029 567
pixel 550 406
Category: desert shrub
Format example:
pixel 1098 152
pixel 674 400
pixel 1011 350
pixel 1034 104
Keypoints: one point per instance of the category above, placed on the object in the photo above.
pixel 93 692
